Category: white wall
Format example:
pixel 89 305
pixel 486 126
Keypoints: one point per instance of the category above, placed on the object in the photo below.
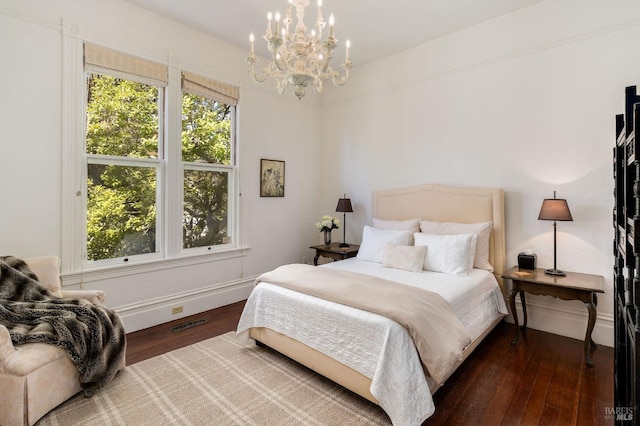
pixel 525 102
pixel 276 230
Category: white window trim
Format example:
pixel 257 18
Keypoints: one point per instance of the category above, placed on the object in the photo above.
pixel 73 135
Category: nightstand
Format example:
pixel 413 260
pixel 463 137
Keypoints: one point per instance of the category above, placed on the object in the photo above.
pixel 573 286
pixel 335 252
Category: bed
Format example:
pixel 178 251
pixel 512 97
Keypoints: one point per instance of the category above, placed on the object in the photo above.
pixel 368 353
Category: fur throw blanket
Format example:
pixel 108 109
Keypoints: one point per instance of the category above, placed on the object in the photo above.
pixel 93 335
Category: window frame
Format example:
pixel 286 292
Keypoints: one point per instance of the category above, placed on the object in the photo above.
pixel 159 237
pixel 157 163
pixel 230 169
pixel 171 253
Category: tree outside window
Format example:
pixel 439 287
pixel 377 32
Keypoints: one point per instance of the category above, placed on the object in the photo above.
pixel 122 127
pixel 206 156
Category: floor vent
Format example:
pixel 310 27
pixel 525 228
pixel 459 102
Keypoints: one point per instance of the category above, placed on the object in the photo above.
pixel 184 326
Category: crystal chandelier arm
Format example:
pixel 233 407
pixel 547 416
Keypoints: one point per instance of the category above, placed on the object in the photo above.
pixel 252 59
pixel 346 65
pixel 341 81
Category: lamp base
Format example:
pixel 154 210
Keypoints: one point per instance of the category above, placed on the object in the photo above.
pixel 556 272
pixel 344 245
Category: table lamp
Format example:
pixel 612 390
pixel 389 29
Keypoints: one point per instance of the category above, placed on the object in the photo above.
pixel 555 209
pixel 344 206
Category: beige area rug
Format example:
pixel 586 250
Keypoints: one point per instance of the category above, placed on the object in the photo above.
pixel 218 382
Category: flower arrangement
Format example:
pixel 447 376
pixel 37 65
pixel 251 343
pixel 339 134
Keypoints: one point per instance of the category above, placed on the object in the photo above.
pixel 327 223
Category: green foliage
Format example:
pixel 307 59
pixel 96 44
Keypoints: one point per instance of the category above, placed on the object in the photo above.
pixel 122 118
pixel 206 130
pixel 205 208
pixel 121 212
pixel 206 138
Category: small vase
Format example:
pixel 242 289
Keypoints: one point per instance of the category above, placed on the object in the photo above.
pixel 327 238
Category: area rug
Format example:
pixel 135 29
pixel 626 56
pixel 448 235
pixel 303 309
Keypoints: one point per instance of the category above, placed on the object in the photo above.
pixel 218 382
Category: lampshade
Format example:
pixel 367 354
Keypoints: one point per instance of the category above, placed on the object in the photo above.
pixel 555 209
pixel 344 205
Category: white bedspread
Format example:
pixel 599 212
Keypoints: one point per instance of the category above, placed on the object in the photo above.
pixel 373 345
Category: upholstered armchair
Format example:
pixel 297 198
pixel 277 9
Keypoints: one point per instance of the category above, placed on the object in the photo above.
pixel 37 377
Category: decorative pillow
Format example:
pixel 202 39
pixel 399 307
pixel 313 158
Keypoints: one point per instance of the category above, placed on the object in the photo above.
pixel 407 258
pixel 412 225
pixel 374 241
pixel 450 254
pixel 481 229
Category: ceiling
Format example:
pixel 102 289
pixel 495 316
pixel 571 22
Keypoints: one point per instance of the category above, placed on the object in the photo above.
pixel 376 28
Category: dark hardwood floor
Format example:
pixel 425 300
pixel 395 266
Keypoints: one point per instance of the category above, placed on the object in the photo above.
pixel 157 340
pixel 541 381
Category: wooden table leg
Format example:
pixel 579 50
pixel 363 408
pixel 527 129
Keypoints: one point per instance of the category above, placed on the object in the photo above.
pixel 595 302
pixel 512 304
pixel 524 309
pixel 315 259
pixel 591 307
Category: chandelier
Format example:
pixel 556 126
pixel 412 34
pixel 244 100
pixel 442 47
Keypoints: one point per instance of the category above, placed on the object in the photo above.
pixel 299 58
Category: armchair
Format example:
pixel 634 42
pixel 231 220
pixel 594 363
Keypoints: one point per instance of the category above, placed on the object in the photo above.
pixel 36 377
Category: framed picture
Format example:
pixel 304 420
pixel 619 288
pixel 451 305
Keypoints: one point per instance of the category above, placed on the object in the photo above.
pixel 271 178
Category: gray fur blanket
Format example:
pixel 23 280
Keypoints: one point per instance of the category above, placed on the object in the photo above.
pixel 93 335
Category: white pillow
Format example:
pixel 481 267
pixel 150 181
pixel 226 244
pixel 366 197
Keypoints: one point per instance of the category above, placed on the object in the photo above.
pixel 450 254
pixel 412 225
pixel 407 258
pixel 374 241
pixel 481 229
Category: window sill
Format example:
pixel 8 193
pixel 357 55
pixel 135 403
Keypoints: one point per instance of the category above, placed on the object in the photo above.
pixel 116 271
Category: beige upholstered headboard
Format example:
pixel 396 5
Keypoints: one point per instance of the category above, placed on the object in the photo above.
pixel 449 204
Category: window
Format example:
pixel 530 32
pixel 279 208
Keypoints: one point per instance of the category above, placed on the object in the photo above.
pixel 207 157
pixel 123 168
pixel 127 174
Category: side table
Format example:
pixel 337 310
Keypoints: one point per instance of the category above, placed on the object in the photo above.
pixel 573 286
pixel 335 252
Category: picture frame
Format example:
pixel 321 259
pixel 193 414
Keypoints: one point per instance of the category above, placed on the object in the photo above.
pixel 271 178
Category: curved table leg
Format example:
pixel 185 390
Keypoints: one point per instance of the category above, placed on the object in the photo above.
pixel 595 302
pixel 524 309
pixel 591 307
pixel 512 305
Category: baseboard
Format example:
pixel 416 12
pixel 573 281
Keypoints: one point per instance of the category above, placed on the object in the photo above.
pixel 565 321
pixel 157 311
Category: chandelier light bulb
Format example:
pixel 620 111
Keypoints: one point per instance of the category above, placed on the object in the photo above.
pixel 299 58
pixel 269 18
